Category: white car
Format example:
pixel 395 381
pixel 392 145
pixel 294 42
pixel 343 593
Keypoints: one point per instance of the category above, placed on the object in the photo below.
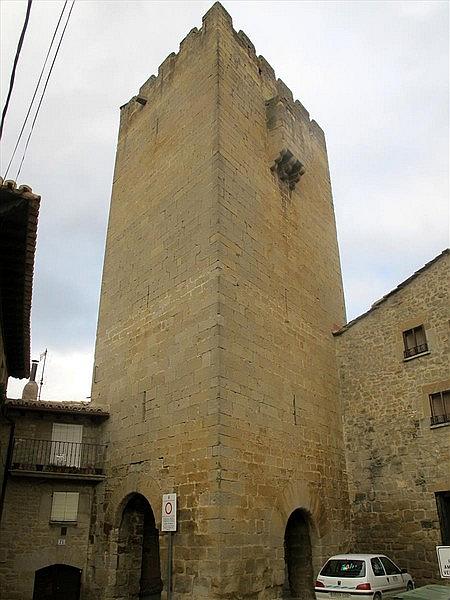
pixel 369 576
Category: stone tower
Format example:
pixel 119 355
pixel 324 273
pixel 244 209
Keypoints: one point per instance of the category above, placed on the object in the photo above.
pixel 221 288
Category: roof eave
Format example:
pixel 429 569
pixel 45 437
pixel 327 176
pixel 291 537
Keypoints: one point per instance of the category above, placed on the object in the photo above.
pixel 383 299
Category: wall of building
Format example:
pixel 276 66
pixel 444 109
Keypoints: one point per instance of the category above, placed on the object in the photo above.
pixel 5 427
pixel 3 369
pixel 156 349
pixel 29 541
pixel 396 461
pixel 280 296
pixel 220 291
pixel 30 425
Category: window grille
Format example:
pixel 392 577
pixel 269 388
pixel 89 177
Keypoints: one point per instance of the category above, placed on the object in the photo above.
pixel 440 407
pixel 415 342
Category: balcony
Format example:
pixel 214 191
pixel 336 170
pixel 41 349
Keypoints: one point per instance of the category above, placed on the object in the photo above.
pixel 441 419
pixel 62 460
pixel 420 349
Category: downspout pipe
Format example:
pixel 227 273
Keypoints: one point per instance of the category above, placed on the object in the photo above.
pixel 8 459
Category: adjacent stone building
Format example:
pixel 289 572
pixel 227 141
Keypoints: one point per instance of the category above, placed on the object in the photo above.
pixel 57 461
pixel 217 366
pixel 52 455
pixel 395 390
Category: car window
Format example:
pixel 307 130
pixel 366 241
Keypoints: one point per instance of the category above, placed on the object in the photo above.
pixel 344 568
pixel 389 566
pixel 377 567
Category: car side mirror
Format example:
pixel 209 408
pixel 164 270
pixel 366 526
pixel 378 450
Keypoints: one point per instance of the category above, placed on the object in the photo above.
pixel 403 570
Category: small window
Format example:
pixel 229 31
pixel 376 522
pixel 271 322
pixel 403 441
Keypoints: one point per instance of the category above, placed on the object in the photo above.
pixel 65 507
pixel 415 341
pixel 440 407
pixel 377 567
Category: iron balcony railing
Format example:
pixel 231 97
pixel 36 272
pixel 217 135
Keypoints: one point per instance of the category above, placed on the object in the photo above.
pixel 440 419
pixel 408 352
pixel 57 457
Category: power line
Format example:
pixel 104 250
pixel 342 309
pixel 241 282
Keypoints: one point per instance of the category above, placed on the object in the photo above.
pixel 35 91
pixel 16 60
pixel 43 91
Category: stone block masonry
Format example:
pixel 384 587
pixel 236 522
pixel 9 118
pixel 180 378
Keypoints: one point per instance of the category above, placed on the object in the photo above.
pixel 221 287
pixel 216 359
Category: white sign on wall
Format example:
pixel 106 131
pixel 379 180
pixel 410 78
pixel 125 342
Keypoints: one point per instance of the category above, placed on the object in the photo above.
pixel 443 553
pixel 169 512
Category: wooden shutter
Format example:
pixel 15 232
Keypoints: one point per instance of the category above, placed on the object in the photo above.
pixel 65 506
pixel 58 506
pixel 67 432
pixel 71 511
pixel 66 444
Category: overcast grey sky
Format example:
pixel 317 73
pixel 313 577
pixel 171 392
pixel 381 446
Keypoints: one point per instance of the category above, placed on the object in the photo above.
pixel 375 75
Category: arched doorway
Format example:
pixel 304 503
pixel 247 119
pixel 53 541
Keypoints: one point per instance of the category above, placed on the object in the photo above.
pixel 57 582
pixel 299 580
pixel 138 574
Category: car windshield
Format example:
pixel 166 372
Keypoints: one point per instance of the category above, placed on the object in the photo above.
pixel 341 567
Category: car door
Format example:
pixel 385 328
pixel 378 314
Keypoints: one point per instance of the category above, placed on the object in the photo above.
pixel 394 577
pixel 380 580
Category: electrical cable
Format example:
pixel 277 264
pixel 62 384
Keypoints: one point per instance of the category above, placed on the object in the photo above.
pixel 43 91
pixel 16 60
pixel 35 91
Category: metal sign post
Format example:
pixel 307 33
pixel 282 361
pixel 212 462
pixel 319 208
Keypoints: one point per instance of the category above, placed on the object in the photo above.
pixel 169 524
pixel 169 566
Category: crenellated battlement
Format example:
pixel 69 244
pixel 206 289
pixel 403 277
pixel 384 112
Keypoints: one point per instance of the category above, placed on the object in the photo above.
pixel 216 17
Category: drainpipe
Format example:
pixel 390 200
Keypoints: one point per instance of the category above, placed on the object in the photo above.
pixel 29 393
pixel 8 459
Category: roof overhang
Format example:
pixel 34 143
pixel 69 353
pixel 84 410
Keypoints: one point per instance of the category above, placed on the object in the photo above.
pixel 84 409
pixel 401 286
pixel 19 210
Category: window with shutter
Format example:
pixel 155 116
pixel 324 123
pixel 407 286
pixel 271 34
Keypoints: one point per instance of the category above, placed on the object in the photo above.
pixel 440 407
pixel 66 444
pixel 65 506
pixel 415 342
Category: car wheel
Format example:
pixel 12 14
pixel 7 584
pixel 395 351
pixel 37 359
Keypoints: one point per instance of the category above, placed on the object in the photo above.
pixel 409 586
pixel 377 596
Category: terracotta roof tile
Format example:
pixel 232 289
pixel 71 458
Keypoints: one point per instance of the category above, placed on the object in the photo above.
pixel 60 407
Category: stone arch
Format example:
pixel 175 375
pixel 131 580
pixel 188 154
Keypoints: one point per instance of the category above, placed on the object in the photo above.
pixel 299 570
pixel 58 581
pixel 137 570
pixel 298 495
pixel 136 483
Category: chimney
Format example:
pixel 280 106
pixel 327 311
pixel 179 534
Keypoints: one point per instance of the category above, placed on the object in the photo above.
pixel 30 391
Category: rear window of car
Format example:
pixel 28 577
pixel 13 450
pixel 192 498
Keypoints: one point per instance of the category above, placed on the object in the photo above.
pixel 344 568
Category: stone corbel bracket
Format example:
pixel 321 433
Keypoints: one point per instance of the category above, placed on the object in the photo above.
pixel 282 134
pixel 288 168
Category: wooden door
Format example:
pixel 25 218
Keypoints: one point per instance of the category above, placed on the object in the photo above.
pixel 57 582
